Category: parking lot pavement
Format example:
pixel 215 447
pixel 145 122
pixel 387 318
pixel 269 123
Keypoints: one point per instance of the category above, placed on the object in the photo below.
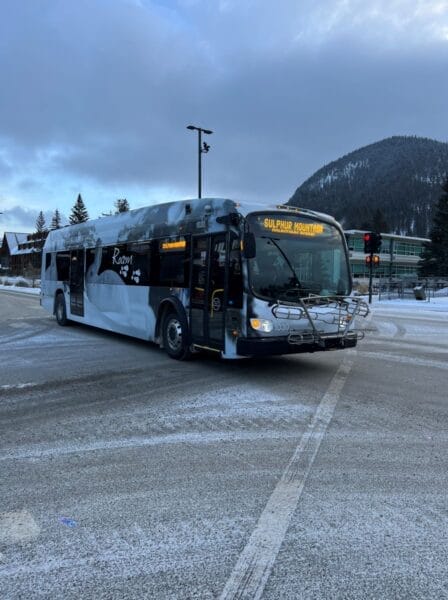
pixel 125 474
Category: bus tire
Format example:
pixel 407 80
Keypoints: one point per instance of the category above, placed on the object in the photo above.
pixel 175 336
pixel 60 310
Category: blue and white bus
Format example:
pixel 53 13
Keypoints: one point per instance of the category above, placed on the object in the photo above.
pixel 207 273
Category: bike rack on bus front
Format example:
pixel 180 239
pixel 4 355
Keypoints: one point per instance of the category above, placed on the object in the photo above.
pixel 342 311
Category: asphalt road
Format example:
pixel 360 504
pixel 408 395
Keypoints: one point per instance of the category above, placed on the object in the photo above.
pixel 125 474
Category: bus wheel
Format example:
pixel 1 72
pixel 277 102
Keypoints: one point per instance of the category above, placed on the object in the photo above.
pixel 175 336
pixel 60 310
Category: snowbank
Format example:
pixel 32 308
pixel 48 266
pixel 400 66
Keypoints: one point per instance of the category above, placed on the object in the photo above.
pixel 20 285
pixel 409 305
pixel 19 290
pixel 441 292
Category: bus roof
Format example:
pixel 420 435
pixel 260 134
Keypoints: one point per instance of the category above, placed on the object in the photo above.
pixel 197 215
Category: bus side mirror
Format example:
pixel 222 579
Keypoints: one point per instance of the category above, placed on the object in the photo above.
pixel 249 248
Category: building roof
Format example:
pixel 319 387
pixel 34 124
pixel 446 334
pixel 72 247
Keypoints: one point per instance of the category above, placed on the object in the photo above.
pixel 32 250
pixel 13 239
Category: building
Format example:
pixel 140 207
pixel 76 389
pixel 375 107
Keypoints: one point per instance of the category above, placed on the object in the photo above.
pixel 10 243
pixel 21 253
pixel 399 256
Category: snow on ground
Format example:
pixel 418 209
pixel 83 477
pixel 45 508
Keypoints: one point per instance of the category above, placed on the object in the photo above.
pixel 20 290
pixel 20 284
pixel 409 305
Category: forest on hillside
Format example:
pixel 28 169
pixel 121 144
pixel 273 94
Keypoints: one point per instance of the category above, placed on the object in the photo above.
pixel 398 178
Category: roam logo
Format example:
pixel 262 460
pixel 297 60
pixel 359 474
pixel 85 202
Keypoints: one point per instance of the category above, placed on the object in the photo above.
pixel 121 259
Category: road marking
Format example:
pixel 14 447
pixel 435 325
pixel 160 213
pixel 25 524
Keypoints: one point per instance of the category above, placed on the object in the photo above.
pixel 18 526
pixel 17 386
pixel 37 452
pixel 406 359
pixel 426 345
pixel 255 563
pixel 23 319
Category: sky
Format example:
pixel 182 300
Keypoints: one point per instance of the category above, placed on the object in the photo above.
pixel 96 95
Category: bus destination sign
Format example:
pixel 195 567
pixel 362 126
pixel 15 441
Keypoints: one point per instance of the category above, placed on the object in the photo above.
pixel 292 227
pixel 173 245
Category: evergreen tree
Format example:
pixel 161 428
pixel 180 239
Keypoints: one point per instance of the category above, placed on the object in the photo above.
pixel 435 255
pixel 40 223
pixel 121 205
pixel 79 212
pixel 56 220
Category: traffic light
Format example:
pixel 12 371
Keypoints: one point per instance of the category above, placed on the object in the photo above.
pixel 372 242
pixel 373 259
pixel 376 243
pixel 367 244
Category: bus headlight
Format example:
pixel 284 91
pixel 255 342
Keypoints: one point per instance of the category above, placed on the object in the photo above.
pixel 262 325
pixel 344 321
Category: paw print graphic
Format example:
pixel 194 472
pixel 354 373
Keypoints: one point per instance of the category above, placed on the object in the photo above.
pixel 124 270
pixel 136 276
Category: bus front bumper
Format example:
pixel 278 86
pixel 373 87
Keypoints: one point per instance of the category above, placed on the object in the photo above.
pixel 293 345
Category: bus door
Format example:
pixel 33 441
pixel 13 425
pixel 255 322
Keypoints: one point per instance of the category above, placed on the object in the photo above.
pixel 207 290
pixel 77 282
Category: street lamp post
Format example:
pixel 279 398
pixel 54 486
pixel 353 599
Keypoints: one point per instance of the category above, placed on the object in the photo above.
pixel 203 147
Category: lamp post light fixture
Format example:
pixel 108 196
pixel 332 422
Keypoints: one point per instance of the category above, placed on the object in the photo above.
pixel 203 147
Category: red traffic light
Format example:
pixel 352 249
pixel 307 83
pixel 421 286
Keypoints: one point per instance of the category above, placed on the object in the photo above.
pixel 368 243
pixel 372 242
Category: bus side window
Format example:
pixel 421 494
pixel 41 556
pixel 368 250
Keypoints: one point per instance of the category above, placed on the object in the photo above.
pixel 50 263
pixel 63 265
pixel 235 290
pixel 199 272
pixel 90 259
pixel 141 259
pixel 169 263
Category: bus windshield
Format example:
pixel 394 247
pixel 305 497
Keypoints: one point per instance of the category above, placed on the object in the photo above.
pixel 297 257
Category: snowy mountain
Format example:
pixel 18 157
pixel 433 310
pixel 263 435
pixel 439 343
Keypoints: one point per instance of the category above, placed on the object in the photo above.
pixel 396 181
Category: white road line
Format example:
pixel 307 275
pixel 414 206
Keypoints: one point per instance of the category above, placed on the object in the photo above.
pixel 424 344
pixel 255 563
pixel 406 359
pixel 37 452
pixel 17 386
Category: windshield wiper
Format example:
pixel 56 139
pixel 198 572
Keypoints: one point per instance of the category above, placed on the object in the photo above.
pixel 298 286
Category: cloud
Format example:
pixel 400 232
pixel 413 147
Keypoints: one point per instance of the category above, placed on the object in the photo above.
pixel 18 218
pixel 5 167
pixel 96 96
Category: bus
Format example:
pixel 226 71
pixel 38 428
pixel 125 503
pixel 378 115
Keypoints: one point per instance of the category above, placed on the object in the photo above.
pixel 207 274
